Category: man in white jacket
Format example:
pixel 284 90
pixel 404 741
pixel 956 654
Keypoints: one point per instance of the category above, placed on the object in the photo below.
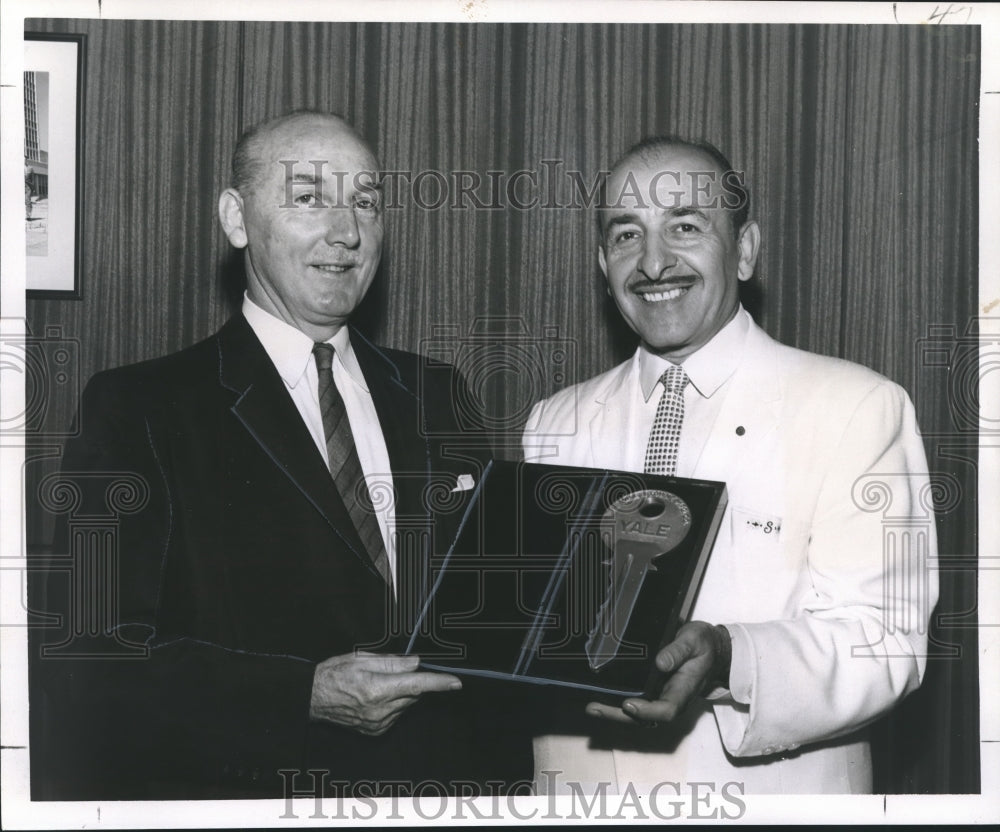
pixel 812 617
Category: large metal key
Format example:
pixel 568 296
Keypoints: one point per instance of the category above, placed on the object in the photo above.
pixel 644 525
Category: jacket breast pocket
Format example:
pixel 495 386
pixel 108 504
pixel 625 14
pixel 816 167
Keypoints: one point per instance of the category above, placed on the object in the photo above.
pixel 771 553
pixel 754 528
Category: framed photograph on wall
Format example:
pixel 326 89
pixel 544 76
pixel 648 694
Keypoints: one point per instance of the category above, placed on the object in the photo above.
pixel 53 162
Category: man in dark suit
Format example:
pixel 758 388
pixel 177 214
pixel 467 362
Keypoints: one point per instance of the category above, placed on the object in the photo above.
pixel 261 592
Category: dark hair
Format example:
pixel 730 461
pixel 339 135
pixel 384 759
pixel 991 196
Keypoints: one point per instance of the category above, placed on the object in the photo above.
pixel 732 180
pixel 247 167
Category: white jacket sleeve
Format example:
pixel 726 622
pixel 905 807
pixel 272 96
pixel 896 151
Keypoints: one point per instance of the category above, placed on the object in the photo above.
pixel 857 640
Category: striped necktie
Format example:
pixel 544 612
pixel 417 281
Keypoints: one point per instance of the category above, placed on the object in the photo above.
pixel 345 467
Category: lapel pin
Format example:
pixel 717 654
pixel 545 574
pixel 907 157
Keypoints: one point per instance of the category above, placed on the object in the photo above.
pixel 740 430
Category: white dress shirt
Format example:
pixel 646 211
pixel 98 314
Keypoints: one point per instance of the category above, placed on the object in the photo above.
pixel 291 352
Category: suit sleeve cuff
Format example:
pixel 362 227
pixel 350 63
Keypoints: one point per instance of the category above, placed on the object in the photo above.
pixel 741 668
pixel 732 706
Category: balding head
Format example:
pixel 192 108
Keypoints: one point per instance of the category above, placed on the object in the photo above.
pixel 733 193
pixel 253 153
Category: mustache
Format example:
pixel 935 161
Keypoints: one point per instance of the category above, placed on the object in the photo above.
pixel 676 282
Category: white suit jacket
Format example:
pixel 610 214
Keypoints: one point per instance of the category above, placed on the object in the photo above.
pixel 820 571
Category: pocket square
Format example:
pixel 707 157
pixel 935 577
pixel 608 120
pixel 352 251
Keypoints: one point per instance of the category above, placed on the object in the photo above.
pixel 464 483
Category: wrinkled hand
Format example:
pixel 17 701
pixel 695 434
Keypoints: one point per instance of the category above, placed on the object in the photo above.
pixel 696 659
pixel 369 692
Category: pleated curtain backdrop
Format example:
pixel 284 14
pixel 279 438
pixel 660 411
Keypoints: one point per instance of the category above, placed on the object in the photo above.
pixel 859 144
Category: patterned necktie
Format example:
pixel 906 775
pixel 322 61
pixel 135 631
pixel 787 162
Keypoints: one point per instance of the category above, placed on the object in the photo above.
pixel 344 463
pixel 664 438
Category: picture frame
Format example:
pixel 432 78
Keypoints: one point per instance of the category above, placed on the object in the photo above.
pixel 54 73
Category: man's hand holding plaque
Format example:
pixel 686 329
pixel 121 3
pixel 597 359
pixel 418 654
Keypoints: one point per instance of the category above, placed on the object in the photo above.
pixel 697 660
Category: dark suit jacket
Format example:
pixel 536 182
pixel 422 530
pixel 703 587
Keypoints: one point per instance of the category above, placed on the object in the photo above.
pixel 237 570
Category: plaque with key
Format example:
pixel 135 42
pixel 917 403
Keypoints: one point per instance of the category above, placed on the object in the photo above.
pixel 644 526
pixel 567 576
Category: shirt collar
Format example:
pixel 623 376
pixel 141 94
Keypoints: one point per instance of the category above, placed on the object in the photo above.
pixel 709 367
pixel 290 349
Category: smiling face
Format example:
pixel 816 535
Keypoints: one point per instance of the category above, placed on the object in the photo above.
pixel 669 251
pixel 311 223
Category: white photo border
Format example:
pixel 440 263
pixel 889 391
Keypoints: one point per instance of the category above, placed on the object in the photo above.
pixel 19 812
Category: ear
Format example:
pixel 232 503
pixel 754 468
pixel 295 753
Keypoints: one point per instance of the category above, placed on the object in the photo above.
pixel 603 262
pixel 749 244
pixel 231 217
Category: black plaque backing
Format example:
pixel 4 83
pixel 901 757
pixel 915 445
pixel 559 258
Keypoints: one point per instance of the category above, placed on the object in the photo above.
pixel 518 592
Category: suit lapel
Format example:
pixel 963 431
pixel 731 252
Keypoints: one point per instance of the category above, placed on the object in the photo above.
pixel 748 415
pixel 269 415
pixel 399 413
pixel 609 428
pixel 401 418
